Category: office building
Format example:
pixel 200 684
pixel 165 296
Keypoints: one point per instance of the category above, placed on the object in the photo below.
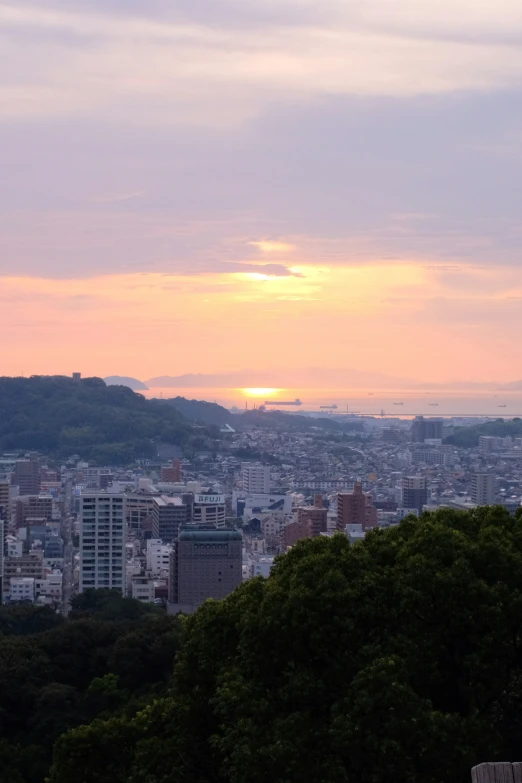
pixel 256 479
pixel 28 565
pixel 171 474
pixel 296 531
pixel 26 476
pixel 168 514
pixel 426 429
pixel 414 492
pixel 356 508
pixel 102 541
pixel 483 489
pixel 5 501
pixel 208 510
pixel 204 564
pixel 316 515
pixel 32 507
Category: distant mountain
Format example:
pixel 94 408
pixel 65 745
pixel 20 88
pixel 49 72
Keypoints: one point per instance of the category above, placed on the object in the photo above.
pixel 122 380
pixel 199 410
pixel 308 377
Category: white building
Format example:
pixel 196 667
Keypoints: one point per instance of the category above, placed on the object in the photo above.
pixel 209 510
pixel 256 479
pixel 158 556
pixel 102 541
pixel 261 566
pixel 50 587
pixel 22 588
pixel 483 489
pixel 143 589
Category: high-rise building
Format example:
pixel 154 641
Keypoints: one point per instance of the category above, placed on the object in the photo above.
pixel 204 564
pixel 426 429
pixel 489 442
pixel 102 541
pixel 171 473
pixel 414 492
pixel 5 501
pixel 26 476
pixel 483 489
pixel 355 508
pixel 33 507
pixel 169 514
pixel 256 479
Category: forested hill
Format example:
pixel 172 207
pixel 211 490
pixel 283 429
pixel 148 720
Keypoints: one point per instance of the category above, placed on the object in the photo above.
pixel 199 410
pixel 107 424
pixel 467 437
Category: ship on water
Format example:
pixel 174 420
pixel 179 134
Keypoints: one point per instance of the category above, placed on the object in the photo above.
pixel 328 407
pixel 277 403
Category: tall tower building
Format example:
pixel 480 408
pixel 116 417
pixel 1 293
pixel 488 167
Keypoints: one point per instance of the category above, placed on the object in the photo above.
pixel 26 476
pixel 483 489
pixel 204 564
pixel 256 479
pixel 414 492
pixel 356 508
pixel 102 541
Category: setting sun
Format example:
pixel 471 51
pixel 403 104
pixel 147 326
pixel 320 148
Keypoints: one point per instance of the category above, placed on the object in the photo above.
pixel 259 392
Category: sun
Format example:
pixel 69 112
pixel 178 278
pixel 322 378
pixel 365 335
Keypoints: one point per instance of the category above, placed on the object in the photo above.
pixel 259 392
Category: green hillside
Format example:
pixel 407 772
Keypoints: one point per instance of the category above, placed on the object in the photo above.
pixel 202 411
pixel 108 424
pixel 468 437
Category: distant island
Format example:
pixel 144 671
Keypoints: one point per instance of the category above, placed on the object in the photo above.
pixel 123 380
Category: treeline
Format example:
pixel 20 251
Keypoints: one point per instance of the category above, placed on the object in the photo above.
pixel 468 437
pixel 111 658
pixel 396 659
pixel 103 424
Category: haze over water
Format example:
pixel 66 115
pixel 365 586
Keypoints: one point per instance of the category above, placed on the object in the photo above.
pixel 499 404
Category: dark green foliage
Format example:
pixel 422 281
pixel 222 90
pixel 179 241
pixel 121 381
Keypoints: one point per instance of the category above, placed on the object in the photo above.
pixel 199 410
pixel 397 659
pixel 468 437
pixel 105 424
pixel 54 680
pixel 22 619
pixel 107 604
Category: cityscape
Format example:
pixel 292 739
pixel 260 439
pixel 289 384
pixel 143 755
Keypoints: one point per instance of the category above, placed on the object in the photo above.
pixel 147 530
pixel 260 391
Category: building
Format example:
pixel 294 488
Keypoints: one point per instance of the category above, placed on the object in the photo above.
pixel 356 508
pixel 204 564
pixel 142 589
pixel 32 507
pixel 208 510
pixel 171 473
pixel 489 443
pixel 316 515
pixel 169 514
pixel 158 556
pixel 102 541
pixel 30 565
pixel 426 429
pixel 295 531
pixel 256 479
pixel 22 589
pixel 26 476
pixel 5 501
pixel 414 492
pixel 483 489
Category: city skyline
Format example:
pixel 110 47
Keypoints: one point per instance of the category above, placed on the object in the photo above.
pixel 282 185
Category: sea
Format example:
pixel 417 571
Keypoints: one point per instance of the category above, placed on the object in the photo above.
pixel 405 403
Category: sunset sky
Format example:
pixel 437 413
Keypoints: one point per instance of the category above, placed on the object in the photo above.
pixel 207 185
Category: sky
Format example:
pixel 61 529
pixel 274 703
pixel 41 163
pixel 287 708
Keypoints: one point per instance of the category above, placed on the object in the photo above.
pixel 198 186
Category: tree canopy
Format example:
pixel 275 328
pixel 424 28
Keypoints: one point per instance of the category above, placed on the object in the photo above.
pixel 397 658
pixel 468 437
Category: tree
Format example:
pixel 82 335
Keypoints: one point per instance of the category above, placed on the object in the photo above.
pixel 398 658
